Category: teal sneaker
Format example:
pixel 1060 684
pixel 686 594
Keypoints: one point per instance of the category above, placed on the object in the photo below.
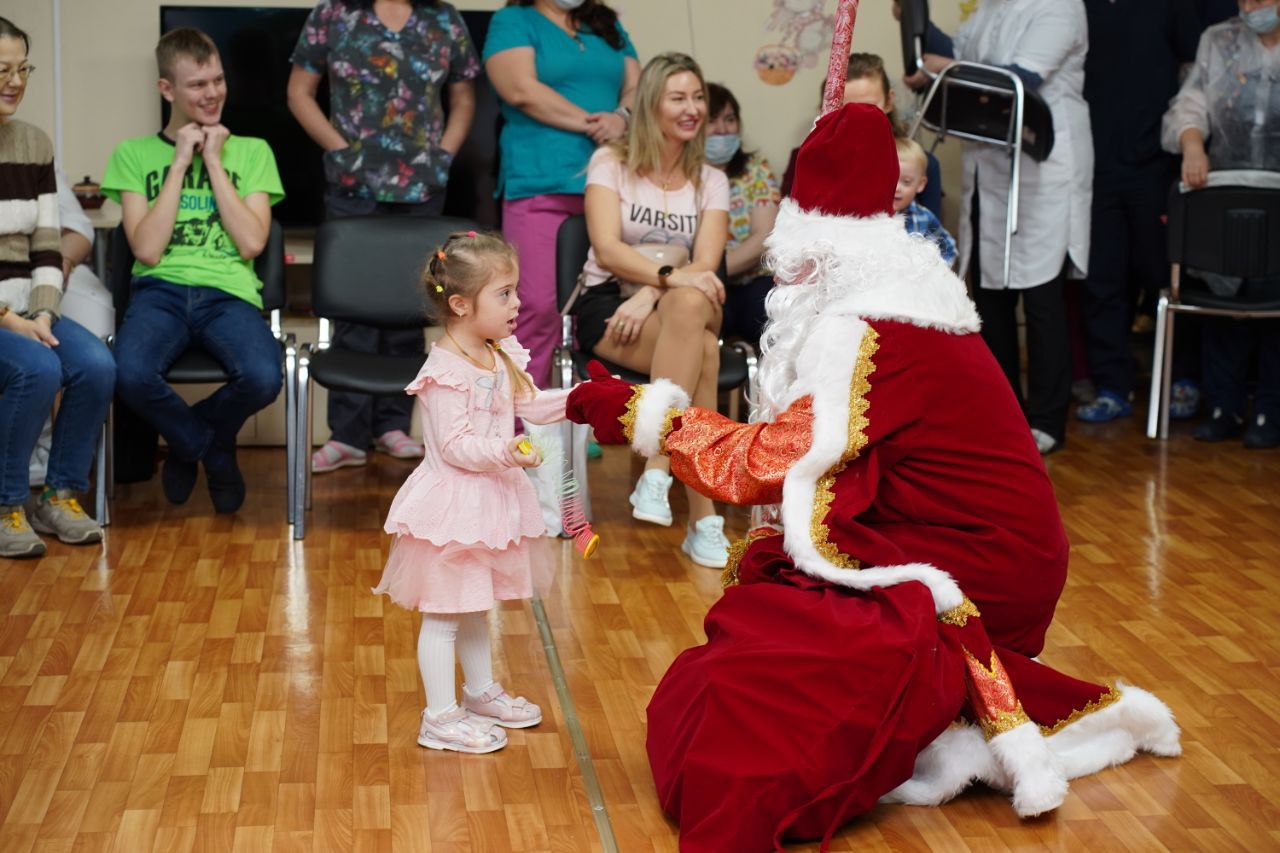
pixel 649 501
pixel 706 544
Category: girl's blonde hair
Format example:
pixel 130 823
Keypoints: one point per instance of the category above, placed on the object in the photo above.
pixel 462 267
pixel 641 148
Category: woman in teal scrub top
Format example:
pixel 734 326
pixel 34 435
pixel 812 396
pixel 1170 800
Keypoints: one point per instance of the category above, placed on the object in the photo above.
pixel 566 71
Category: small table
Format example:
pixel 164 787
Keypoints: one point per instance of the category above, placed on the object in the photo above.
pixel 104 220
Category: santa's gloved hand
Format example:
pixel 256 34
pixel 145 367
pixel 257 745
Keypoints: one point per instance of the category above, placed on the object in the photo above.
pixel 601 403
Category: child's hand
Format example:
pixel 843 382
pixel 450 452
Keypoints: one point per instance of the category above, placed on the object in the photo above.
pixel 531 459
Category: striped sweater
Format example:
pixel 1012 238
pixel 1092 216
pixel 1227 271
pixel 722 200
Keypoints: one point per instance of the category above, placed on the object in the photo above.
pixel 30 239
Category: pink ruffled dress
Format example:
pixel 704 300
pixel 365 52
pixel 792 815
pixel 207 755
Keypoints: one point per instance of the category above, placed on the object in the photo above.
pixel 467 524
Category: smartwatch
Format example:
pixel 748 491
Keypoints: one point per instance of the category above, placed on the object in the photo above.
pixel 664 271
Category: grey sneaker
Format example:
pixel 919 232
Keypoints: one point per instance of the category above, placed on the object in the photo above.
pixel 17 539
pixel 59 513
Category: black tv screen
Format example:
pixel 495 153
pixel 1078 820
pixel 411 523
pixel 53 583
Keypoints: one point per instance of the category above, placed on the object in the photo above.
pixel 256 43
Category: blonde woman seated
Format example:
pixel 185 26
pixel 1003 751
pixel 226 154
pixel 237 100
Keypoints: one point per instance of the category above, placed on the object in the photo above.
pixel 658 218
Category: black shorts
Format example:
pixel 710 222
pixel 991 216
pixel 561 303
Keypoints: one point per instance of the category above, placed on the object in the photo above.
pixel 595 306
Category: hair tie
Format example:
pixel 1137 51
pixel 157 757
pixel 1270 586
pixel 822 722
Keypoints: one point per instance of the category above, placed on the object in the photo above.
pixel 440 254
pixel 471 234
pixel 439 288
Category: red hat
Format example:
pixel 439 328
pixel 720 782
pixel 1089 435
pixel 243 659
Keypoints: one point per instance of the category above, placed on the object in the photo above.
pixel 848 165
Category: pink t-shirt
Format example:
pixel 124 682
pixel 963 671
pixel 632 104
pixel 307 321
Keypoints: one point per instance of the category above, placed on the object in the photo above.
pixel 648 214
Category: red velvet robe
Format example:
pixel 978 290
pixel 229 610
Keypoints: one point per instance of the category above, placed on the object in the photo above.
pixel 920 560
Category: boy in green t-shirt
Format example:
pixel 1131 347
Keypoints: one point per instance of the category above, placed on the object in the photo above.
pixel 197 210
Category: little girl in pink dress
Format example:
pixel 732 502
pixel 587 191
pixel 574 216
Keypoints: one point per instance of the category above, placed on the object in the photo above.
pixel 468 528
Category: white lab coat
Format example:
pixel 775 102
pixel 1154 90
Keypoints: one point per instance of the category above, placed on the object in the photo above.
pixel 1049 38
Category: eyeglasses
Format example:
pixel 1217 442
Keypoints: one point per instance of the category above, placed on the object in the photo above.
pixel 22 72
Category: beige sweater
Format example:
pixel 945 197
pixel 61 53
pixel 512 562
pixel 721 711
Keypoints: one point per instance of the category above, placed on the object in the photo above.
pixel 30 238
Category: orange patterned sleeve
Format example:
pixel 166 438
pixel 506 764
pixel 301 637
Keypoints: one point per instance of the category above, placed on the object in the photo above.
pixel 739 463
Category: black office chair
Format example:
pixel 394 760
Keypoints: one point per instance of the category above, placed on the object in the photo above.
pixel 1223 229
pixel 195 366
pixel 737 360
pixel 366 271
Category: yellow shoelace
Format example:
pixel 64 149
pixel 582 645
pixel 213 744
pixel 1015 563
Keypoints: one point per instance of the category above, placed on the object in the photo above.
pixel 15 520
pixel 71 504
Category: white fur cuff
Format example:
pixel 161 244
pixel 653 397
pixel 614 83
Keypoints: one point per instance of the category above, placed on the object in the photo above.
pixel 1039 784
pixel 655 400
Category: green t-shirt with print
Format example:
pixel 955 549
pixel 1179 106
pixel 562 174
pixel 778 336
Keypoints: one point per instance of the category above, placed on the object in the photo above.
pixel 200 253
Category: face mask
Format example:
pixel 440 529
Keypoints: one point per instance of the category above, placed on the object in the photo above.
pixel 721 147
pixel 1262 21
pixel 569 5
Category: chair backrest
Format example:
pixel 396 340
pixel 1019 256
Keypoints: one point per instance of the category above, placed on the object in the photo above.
pixel 974 101
pixel 1226 230
pixel 269 266
pixel 572 245
pixel 367 268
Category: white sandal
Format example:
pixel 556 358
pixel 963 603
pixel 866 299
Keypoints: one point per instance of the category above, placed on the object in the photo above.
pixel 459 730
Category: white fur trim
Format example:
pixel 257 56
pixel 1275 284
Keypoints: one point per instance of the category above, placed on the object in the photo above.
pixel 651 414
pixel 1039 784
pixel 825 369
pixel 871 268
pixel 1137 721
pixel 956 758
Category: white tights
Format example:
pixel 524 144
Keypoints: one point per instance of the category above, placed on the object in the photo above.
pixel 441 633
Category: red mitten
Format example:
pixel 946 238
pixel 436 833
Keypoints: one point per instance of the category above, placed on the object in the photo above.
pixel 600 403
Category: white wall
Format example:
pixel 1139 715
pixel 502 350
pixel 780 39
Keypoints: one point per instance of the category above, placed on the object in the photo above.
pixel 109 75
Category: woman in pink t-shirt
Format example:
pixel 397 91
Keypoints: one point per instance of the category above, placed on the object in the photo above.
pixel 658 217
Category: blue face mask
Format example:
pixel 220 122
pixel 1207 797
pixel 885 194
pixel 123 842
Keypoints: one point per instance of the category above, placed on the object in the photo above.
pixel 1262 21
pixel 569 5
pixel 721 147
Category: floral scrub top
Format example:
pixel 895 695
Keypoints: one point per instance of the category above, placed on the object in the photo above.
pixel 384 95
pixel 757 185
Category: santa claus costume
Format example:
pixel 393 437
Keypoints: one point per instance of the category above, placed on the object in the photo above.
pixel 877 641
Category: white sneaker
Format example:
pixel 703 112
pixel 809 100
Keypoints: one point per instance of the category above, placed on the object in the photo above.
pixel 706 544
pixel 649 500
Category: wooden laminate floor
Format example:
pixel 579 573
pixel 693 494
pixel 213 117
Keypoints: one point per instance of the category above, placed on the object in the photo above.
pixel 203 683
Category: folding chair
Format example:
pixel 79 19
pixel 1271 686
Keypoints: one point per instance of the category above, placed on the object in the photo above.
pixel 366 271
pixel 1223 229
pixel 195 366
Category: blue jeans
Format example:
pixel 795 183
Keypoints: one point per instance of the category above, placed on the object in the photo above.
pixel 30 376
pixel 162 321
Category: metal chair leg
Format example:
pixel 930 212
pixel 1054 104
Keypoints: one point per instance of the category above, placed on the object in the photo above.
pixel 291 428
pixel 101 510
pixel 1154 412
pixel 302 450
pixel 1166 367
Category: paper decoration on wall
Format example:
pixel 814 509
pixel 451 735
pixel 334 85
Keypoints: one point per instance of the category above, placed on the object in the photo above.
pixel 804 28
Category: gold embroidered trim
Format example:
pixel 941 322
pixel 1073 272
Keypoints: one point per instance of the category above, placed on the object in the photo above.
pixel 819 532
pixel 628 418
pixel 960 614
pixel 1108 698
pixel 738 549
pixel 1005 721
pixel 671 415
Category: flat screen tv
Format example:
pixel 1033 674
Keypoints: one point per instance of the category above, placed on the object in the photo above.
pixel 256 43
